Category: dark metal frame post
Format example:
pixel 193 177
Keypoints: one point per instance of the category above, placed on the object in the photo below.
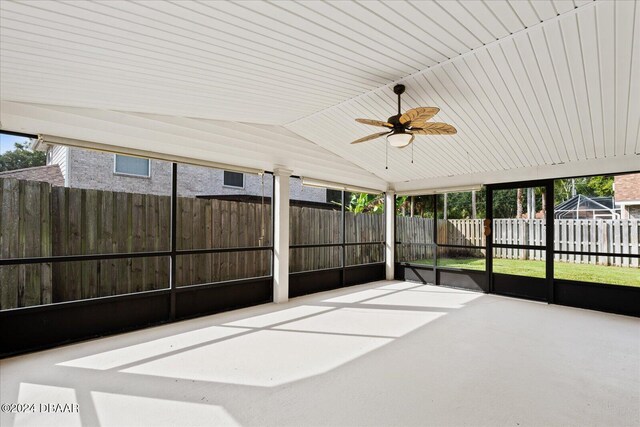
pixel 489 238
pixel 395 230
pixel 436 279
pixel 550 232
pixel 174 230
pixel 342 242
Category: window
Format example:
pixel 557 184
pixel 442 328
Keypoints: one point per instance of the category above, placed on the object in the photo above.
pixel 233 179
pixel 131 165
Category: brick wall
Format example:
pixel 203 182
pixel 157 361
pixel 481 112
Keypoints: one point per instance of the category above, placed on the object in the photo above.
pixel 49 173
pixel 95 170
pixel 627 187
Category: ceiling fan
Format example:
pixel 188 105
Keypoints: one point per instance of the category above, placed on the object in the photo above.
pixel 402 128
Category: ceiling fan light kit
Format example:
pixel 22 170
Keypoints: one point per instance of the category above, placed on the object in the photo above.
pixel 402 128
pixel 399 139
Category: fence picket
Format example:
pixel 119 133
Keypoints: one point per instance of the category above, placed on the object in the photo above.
pixel 45 242
pixel 593 241
pixel 626 227
pixel 577 239
pixel 634 240
pixel 29 288
pixel 617 226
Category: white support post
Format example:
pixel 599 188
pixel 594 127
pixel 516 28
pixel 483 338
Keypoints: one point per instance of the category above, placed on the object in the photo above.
pixel 281 236
pixel 389 234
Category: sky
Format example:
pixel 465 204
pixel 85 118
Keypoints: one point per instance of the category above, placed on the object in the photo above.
pixel 7 141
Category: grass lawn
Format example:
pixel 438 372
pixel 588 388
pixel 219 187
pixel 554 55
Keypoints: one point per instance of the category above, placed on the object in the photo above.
pixel 628 276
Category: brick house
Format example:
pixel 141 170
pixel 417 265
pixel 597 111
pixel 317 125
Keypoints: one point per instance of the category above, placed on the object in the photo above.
pixel 103 171
pixel 627 195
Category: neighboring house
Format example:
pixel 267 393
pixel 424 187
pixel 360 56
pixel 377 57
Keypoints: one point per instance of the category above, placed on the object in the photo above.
pixel 627 193
pixel 49 173
pixel 103 171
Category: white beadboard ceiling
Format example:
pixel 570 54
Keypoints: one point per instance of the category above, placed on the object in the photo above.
pixel 244 144
pixel 536 88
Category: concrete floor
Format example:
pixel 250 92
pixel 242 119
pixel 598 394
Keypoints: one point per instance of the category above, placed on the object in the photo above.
pixel 385 353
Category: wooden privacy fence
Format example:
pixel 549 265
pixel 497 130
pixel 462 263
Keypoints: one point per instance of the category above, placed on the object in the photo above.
pixel 413 230
pixel 311 226
pixel 584 235
pixel 101 222
pixel 25 230
pixel 620 236
pixel 363 228
pixel 89 222
pixel 459 232
pixel 314 226
pixel 38 220
pixel 211 223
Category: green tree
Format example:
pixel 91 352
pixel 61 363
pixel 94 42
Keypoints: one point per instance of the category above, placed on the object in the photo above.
pixel 595 186
pixel 374 203
pixel 422 206
pixel 366 203
pixel 460 205
pixel 598 186
pixel 402 205
pixel 20 158
pixel 505 203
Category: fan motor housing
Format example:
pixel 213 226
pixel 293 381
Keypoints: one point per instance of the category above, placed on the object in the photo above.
pixel 395 120
pixel 398 89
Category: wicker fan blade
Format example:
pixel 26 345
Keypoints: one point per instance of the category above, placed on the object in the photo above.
pixel 434 128
pixel 374 123
pixel 369 137
pixel 419 122
pixel 420 114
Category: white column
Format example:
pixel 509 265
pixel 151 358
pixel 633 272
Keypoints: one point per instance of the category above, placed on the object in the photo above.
pixel 281 236
pixel 389 235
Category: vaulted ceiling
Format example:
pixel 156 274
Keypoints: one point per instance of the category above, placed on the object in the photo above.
pixel 535 88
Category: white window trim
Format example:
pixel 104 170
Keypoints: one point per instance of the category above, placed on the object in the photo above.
pixel 133 175
pixel 234 186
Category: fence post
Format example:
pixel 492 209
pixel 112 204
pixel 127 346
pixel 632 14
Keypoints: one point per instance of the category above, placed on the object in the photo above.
pixel 343 238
